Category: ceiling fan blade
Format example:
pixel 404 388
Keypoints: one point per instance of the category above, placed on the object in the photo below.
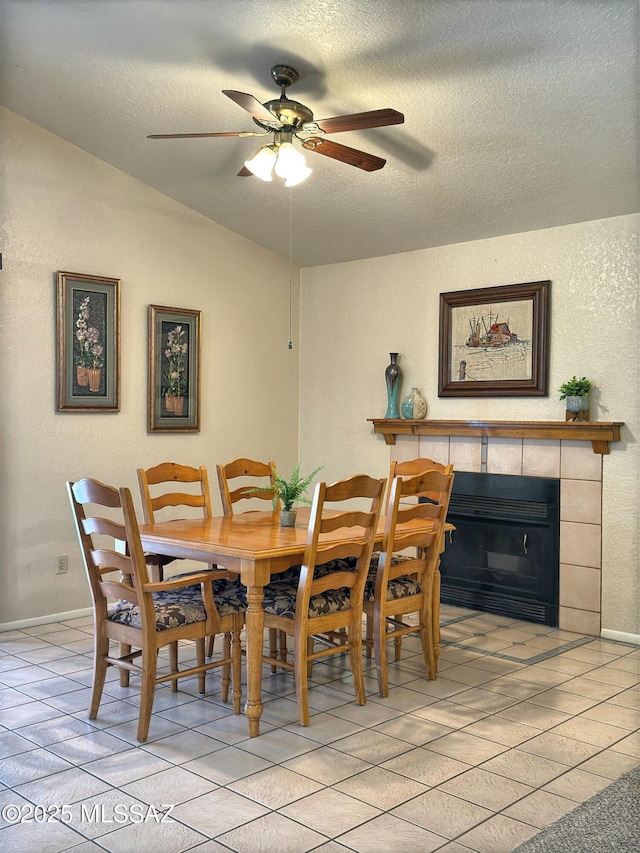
pixel 197 135
pixel 244 173
pixel 361 121
pixel 359 159
pixel 251 105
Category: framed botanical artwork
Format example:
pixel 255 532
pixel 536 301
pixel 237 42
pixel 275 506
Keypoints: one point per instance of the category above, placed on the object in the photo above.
pixel 174 370
pixel 88 343
pixel 494 341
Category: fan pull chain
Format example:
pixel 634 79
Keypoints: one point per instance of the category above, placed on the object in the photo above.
pixel 290 261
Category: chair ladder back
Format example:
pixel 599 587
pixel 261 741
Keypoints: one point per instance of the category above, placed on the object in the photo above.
pixel 171 473
pixel 244 468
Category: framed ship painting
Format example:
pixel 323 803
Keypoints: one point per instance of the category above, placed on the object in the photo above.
pixel 88 343
pixel 493 341
pixel 174 370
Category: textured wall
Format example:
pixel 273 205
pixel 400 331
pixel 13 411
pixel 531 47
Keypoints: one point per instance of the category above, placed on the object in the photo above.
pixel 65 210
pixel 354 314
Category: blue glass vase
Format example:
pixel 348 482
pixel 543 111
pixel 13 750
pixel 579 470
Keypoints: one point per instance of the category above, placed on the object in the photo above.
pixel 393 379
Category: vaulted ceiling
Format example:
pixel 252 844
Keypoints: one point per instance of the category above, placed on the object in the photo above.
pixel 519 114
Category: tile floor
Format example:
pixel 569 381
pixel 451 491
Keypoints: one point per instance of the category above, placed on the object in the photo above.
pixel 523 723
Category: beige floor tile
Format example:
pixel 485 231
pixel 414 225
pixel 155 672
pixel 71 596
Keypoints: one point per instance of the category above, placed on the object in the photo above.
pixel 330 812
pixel 430 768
pixel 630 745
pixel 565 750
pixel 218 812
pixel 172 786
pixel 562 700
pixel 275 787
pixel 590 731
pixel 466 747
pixel 486 789
pixel 501 730
pixel 381 788
pixel 327 765
pixel 525 767
pixel 540 809
pixel 577 784
pixel 523 719
pixel 450 714
pixel 610 764
pixel 412 729
pixel 371 746
pixel 442 813
pixel 388 832
pixel 500 834
pixel 272 832
pixel 515 688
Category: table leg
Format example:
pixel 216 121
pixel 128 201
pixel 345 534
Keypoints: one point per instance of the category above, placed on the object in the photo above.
pixel 254 632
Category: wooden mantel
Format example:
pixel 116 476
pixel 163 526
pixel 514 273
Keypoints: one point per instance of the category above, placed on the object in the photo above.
pixel 599 433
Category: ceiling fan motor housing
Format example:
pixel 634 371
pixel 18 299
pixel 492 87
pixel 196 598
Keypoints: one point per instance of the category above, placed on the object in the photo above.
pixel 291 114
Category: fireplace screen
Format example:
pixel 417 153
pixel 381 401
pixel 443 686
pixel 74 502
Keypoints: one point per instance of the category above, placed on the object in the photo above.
pixel 504 554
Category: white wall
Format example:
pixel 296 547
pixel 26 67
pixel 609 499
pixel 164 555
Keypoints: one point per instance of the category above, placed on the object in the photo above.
pixel 354 314
pixel 65 210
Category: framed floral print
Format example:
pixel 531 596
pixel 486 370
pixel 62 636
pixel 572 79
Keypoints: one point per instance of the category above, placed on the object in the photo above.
pixel 174 370
pixel 494 341
pixel 88 343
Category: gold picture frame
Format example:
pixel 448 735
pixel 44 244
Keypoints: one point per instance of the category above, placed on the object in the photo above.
pixel 174 370
pixel 88 343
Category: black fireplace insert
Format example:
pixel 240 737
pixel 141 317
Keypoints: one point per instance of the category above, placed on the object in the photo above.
pixel 503 556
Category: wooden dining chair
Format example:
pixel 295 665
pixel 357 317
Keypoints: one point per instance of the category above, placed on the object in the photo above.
pixel 399 585
pixel 324 607
pixel 163 488
pixel 249 474
pixel 248 471
pixel 145 616
pixel 408 468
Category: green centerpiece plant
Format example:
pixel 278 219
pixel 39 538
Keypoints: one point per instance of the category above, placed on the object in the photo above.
pixel 289 492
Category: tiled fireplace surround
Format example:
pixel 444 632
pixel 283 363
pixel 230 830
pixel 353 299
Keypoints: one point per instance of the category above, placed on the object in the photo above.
pixel 580 473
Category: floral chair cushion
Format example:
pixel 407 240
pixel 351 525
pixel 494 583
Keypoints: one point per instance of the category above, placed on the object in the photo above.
pixel 280 600
pixel 181 606
pixel 280 594
pixel 401 587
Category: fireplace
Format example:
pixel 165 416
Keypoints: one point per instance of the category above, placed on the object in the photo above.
pixel 504 554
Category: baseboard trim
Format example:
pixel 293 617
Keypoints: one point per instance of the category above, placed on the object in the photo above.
pixel 45 620
pixel 620 636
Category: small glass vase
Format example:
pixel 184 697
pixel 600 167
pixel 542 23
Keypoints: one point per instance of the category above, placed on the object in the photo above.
pixel 414 406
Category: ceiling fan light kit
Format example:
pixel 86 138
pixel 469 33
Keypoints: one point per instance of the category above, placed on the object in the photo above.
pixel 286 120
pixel 281 158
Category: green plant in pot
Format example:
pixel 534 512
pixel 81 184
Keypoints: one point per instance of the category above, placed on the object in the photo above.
pixel 576 393
pixel 289 492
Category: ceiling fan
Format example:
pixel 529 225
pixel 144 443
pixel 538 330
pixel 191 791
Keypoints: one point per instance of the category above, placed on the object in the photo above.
pixel 285 119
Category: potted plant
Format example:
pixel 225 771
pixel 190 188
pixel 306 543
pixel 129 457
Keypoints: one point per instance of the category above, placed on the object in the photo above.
pixel 576 392
pixel 288 492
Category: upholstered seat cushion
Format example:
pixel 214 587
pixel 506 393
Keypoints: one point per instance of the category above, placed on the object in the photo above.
pixel 280 600
pixel 280 594
pixel 181 606
pixel 401 587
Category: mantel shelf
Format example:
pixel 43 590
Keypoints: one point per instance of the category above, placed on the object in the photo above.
pixel 599 433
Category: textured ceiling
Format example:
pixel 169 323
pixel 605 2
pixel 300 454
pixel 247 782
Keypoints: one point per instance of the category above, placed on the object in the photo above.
pixel 519 114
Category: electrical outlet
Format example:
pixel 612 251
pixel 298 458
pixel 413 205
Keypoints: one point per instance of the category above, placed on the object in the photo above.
pixel 61 564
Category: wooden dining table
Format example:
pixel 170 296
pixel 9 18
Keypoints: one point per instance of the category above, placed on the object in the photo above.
pixel 255 546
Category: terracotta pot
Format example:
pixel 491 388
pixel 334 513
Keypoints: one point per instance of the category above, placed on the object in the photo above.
pixel 93 374
pixel 178 405
pixel 82 377
pixel 169 402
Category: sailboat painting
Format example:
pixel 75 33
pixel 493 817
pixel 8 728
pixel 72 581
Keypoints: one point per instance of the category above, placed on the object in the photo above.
pixel 495 345
pixel 492 341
